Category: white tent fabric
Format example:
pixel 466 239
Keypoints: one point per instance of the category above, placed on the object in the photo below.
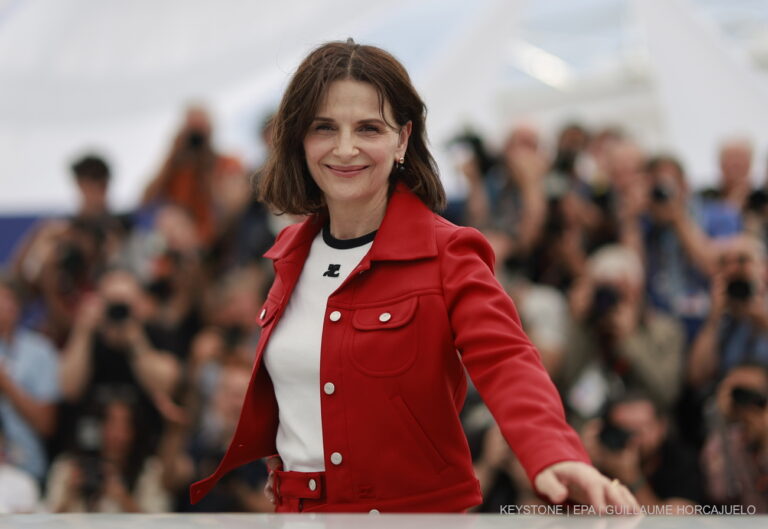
pixel 109 76
pixel 114 76
pixel 707 91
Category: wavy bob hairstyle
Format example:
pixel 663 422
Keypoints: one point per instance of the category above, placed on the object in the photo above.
pixel 286 183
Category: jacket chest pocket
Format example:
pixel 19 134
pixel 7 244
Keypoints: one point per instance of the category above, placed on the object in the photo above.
pixel 385 338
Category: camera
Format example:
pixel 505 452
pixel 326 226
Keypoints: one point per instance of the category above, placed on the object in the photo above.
pixel 161 289
pixel 71 259
pixel 757 200
pixel 661 194
pixel 118 312
pixel 739 289
pixel 604 300
pixel 747 398
pixel 196 140
pixel 613 437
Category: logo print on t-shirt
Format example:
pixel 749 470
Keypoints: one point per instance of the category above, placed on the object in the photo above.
pixel 333 270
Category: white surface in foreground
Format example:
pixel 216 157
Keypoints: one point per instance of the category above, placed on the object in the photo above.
pixel 358 521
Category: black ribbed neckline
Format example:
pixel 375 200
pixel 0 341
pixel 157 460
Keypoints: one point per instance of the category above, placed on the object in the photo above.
pixel 346 244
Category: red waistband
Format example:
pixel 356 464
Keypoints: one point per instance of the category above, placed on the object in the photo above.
pixel 299 485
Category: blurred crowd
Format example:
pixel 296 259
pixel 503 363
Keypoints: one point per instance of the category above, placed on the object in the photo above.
pixel 126 339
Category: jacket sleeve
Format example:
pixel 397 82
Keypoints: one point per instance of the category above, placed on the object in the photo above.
pixel 503 364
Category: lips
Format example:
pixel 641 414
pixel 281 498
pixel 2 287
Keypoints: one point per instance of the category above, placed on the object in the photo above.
pixel 347 171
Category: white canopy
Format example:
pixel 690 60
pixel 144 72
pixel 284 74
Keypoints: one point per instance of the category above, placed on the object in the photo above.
pixel 113 77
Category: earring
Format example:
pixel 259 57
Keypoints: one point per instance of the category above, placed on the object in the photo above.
pixel 400 164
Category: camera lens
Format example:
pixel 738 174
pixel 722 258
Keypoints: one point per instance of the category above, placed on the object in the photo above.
pixel 739 289
pixel 118 312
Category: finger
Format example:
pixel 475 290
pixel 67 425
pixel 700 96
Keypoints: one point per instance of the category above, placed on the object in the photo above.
pixel 595 491
pixel 269 490
pixel 615 498
pixel 274 463
pixel 549 486
pixel 630 500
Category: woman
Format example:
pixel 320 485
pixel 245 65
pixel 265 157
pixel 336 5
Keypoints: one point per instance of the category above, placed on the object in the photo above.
pixel 357 382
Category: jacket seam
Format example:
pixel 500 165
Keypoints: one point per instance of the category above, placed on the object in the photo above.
pixel 373 304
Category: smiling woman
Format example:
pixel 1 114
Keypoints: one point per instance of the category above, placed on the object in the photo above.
pixel 357 387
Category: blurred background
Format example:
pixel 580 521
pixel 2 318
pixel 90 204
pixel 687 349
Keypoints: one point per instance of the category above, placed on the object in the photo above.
pixel 614 153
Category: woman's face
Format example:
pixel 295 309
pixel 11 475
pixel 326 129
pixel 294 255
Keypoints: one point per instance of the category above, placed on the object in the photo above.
pixel 351 148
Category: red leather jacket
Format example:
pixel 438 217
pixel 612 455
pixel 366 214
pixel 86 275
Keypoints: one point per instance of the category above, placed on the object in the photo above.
pixel 421 306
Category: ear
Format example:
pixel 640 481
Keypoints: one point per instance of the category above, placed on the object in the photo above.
pixel 402 140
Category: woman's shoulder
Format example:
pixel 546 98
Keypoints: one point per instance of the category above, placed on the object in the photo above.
pixel 453 239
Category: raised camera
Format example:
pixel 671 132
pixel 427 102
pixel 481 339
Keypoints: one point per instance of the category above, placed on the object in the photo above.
pixel 118 312
pixel 739 289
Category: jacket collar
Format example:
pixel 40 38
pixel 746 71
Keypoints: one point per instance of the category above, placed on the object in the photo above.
pixel 407 232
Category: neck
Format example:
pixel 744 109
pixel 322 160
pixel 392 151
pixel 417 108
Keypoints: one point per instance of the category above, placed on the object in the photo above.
pixel 349 221
pixel 6 333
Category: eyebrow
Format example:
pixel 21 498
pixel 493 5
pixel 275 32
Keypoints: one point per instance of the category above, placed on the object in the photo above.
pixel 361 122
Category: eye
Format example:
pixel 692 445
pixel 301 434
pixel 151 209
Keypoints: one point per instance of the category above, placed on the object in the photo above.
pixel 323 127
pixel 370 129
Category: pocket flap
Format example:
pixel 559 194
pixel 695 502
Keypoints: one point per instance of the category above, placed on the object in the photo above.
pixel 389 316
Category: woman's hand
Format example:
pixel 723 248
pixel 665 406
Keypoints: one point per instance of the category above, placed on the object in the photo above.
pixel 273 463
pixel 582 483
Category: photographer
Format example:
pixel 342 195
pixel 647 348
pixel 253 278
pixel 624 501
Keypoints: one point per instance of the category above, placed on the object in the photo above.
pixel 197 178
pixel 191 453
pixel 735 330
pixel 109 345
pixel 676 252
pixel 110 469
pixel 509 204
pixel 616 342
pixel 633 442
pixel 29 389
pixel 58 261
pixel 735 457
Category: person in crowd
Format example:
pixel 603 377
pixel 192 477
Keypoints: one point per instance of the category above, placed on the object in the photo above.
pixel 509 205
pixel 735 456
pixel 617 342
pixel 724 205
pixel 247 231
pixel 198 178
pixel 560 255
pixel 19 490
pixel 58 262
pixel 109 345
pixel 29 386
pixel 736 330
pixel 111 469
pixel 635 442
pixel 192 453
pixel 502 478
pixel 546 319
pixel 357 385
pixel 664 231
pixel 622 196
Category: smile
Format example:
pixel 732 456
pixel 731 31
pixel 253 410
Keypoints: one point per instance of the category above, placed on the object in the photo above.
pixel 347 171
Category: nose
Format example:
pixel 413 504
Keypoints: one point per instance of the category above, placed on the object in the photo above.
pixel 346 146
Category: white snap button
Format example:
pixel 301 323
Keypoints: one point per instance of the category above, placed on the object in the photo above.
pixel 373 511
pixel 336 458
pixel 263 313
pixel 312 484
pixel 335 315
pixel 384 317
pixel 329 388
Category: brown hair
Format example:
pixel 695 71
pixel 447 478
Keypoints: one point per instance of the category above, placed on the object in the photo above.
pixel 286 183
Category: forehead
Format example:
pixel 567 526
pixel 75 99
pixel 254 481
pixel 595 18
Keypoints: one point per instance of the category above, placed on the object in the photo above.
pixel 633 412
pixel 350 98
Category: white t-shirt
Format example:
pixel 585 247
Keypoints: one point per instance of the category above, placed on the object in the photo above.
pixel 292 356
